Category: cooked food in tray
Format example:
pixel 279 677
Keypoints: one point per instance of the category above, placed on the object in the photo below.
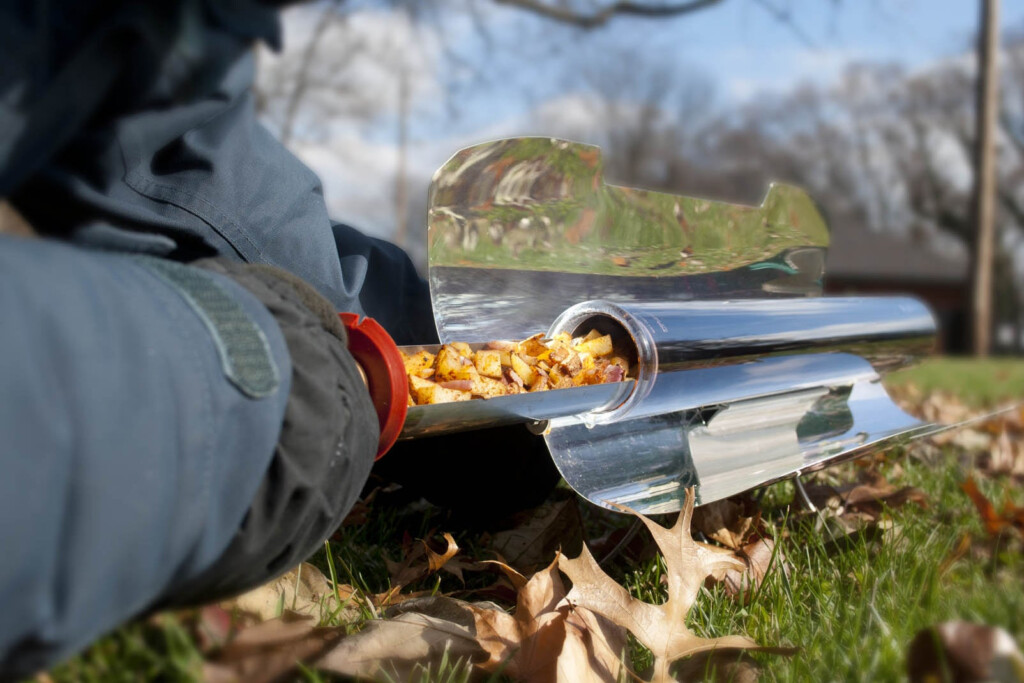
pixel 501 368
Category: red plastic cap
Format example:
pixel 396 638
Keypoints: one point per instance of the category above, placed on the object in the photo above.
pixel 377 353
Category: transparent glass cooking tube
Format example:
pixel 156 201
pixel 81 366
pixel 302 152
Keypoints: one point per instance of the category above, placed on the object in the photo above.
pixel 737 394
pixel 684 348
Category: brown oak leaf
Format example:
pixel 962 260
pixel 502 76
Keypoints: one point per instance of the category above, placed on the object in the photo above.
pixel 996 522
pixel 420 560
pixel 758 557
pixel 660 628
pixel 730 521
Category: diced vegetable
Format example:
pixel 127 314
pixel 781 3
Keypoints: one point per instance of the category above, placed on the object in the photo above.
pixel 503 368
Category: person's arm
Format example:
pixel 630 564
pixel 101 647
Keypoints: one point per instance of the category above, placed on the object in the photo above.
pixel 173 160
pixel 167 433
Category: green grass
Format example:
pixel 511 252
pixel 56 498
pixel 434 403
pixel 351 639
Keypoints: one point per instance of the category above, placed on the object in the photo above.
pixel 852 607
pixel 979 383
pixel 159 649
pixel 854 612
pixel 851 610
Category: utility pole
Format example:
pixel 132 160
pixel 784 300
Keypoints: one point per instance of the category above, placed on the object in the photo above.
pixel 984 193
pixel 401 182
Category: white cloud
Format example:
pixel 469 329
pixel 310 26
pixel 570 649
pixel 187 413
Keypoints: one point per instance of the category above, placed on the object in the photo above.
pixel 746 72
pixel 359 175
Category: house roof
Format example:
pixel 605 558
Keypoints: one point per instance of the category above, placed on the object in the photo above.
pixel 859 253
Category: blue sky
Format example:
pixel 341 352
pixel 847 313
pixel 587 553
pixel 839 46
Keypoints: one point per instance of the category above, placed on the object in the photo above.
pixel 741 42
pixel 519 70
pixel 739 45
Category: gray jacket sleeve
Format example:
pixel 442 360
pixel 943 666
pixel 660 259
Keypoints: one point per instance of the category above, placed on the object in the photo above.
pixel 163 437
pixel 164 154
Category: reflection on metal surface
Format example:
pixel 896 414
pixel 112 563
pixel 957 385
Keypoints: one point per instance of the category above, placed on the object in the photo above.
pixel 518 229
pixel 743 375
pixel 731 350
pixel 442 418
pixel 741 446
pixel 888 331
pixel 728 395
pixel 735 394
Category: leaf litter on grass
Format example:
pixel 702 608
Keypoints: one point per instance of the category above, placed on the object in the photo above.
pixel 553 634
pixel 964 651
pixel 737 525
pixel 861 513
pixel 660 628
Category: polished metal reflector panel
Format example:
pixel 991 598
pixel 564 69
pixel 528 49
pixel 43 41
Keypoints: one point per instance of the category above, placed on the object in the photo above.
pixel 736 394
pixel 520 229
pixel 742 374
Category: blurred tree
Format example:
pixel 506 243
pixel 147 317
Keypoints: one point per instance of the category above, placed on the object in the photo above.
pixel 879 147
pixel 591 14
pixel 305 91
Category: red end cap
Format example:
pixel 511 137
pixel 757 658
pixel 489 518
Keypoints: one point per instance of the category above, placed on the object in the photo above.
pixel 374 349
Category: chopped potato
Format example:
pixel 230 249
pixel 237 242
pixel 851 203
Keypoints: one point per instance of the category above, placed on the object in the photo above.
pixel 599 346
pixel 572 364
pixel 540 383
pixel 522 369
pixel 418 363
pixel 533 347
pixel 488 363
pixel 452 365
pixel 503 368
pixel 560 378
pixel 488 388
pixel 426 392
pixel 463 348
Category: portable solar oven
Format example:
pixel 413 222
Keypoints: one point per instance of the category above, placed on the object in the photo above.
pixel 741 372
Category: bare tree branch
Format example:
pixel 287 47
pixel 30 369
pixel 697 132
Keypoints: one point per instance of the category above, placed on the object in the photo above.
pixel 1014 134
pixel 302 76
pixel 601 16
pixel 785 17
pixel 1011 205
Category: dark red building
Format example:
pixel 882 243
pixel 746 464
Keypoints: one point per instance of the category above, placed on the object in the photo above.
pixel 863 262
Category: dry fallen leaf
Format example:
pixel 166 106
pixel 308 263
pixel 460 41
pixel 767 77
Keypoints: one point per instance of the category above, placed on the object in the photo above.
pixel 552 635
pixel 393 648
pixel 730 521
pixel 420 560
pixel 268 651
pixel 867 497
pixel 720 666
pixel 996 522
pixel 416 636
pixel 538 642
pixel 594 649
pixel 943 407
pixel 757 558
pixel 964 652
pixel 537 534
pixel 660 628
pixel 304 590
pixel 1005 456
pixel 854 510
pixel 545 640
